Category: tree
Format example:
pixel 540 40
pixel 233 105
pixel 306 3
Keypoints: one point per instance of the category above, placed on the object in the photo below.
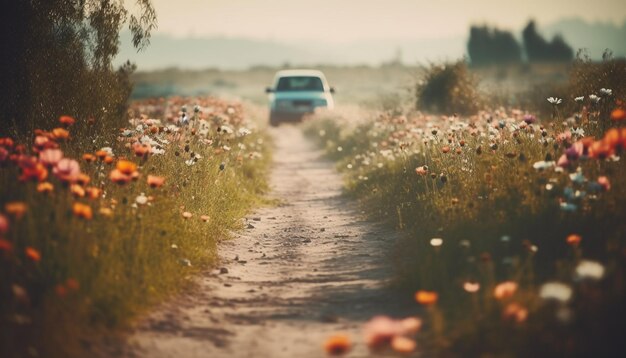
pixel 56 57
pixel 488 46
pixel 539 49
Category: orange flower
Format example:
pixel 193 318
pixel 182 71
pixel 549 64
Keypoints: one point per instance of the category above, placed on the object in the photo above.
pixel 611 137
pixel 505 290
pixel 67 120
pixel 574 239
pixel 155 181
pixel 5 245
pixel 4 224
pixel 126 167
pixel 60 290
pixel 515 312
pixel 16 208
pixel 205 218
pixel 83 179
pixel 338 344
pixel 72 284
pixel 445 149
pixel 426 297
pixel 618 114
pixel 106 212
pixel 600 150
pixel 101 154
pixel 141 149
pixel 423 170
pixel 604 183
pixel 187 214
pixel 37 171
pixel 60 133
pixel 32 254
pixel 108 160
pixel 82 211
pixel 88 157
pixel 403 344
pixel 6 142
pixel 45 187
pixel 93 192
pixel 77 190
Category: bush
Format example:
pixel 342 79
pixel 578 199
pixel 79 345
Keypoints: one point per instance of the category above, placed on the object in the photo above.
pixel 448 88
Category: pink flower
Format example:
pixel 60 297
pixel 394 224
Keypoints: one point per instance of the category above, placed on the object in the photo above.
pixel 67 170
pixel 567 135
pixel 380 330
pixel 50 157
pixel 604 183
pixel 4 155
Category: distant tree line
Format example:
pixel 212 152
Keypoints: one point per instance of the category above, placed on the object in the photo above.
pixel 488 46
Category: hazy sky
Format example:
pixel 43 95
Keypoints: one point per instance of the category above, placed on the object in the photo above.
pixel 349 20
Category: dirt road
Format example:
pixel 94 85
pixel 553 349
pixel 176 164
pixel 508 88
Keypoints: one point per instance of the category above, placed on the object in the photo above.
pixel 300 271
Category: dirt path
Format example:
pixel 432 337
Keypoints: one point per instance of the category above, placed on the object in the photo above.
pixel 300 271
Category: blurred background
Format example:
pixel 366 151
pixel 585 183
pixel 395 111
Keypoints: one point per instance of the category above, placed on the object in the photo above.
pixel 367 50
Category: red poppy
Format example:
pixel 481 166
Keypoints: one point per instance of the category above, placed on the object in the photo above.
pixel 82 211
pixel 66 120
pixel 155 181
pixel 16 208
pixel 60 133
pixel 4 224
pixel 337 344
pixel 45 187
pixel 32 254
pixel 426 297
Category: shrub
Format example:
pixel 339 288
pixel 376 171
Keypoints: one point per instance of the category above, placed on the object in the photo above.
pixel 448 88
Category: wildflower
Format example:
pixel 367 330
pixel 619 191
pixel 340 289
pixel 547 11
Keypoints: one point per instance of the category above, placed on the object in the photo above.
pixel 187 214
pixel 124 172
pixel 142 199
pixel 554 100
pixel 205 218
pixel 379 331
pixel 101 154
pixel 88 157
pixel 618 114
pixel 423 170
pixel 505 290
pixel 426 297
pixel 72 284
pixel 83 179
pixel 66 120
pixel 60 290
pixel 594 98
pixel 16 208
pixel 563 161
pixel 126 167
pixel 436 241
pixel 106 212
pixel 155 181
pixel 4 225
pixel 67 170
pixel 606 91
pixel 338 344
pixel 403 344
pixel 573 239
pixel 50 157
pixel 600 150
pixel 141 149
pixel 516 312
pixel 529 119
pixel 32 170
pixel 118 177
pixel 604 183
pixel 32 254
pixel 108 160
pixel 555 291
pixel 82 211
pixel 579 99
pixel 471 287
pixel 93 192
pixel 5 245
pixel 60 133
pixel 77 190
pixel 445 149
pixel 543 165
pixel 590 269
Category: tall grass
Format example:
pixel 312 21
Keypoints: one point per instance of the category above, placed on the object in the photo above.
pixel 65 277
pixel 500 197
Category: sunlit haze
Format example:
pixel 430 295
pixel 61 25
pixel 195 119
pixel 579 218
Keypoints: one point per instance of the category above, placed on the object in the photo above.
pixel 350 20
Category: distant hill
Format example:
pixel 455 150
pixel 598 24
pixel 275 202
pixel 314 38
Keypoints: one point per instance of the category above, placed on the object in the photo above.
pixel 595 37
pixel 240 53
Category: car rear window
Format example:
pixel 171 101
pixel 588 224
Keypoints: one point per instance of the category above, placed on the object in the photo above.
pixel 300 83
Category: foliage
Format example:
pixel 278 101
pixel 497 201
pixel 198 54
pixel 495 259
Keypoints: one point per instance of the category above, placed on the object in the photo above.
pixel 86 249
pixel 448 88
pixel 57 59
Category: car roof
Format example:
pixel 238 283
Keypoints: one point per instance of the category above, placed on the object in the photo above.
pixel 302 72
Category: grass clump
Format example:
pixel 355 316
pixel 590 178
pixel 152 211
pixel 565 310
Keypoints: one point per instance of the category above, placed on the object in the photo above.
pixel 89 240
pixel 514 221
